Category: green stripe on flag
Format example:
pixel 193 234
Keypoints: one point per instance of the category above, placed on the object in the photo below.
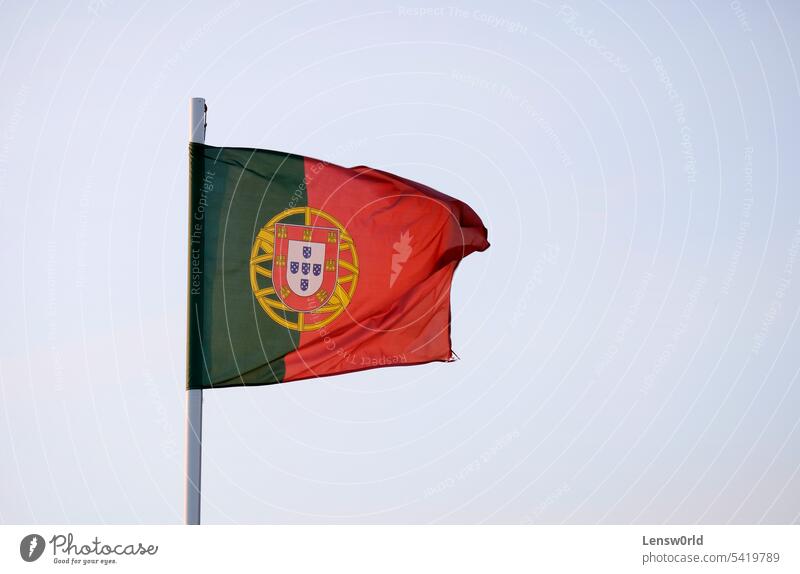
pixel 233 193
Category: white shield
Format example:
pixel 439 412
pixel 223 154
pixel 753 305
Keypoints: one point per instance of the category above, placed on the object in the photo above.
pixel 306 264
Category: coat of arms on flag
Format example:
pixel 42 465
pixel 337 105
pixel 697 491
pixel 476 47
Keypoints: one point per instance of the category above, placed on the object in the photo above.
pixel 312 280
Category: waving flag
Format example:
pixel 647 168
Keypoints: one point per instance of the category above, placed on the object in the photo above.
pixel 300 268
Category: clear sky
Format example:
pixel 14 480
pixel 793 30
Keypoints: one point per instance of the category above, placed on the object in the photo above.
pixel 629 347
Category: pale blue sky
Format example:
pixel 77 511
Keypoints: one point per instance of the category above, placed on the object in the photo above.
pixel 628 344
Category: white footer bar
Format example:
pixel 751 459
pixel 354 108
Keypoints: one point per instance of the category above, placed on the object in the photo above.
pixel 401 549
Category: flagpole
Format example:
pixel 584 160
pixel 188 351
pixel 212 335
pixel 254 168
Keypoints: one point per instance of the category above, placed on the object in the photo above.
pixel 194 397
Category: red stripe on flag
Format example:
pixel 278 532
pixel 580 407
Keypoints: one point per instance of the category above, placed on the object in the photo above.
pixel 409 239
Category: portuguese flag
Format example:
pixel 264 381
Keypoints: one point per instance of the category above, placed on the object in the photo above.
pixel 299 268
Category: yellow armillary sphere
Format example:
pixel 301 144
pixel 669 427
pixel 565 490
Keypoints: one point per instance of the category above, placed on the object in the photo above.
pixel 305 271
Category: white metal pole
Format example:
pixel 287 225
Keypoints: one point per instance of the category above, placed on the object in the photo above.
pixel 194 397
